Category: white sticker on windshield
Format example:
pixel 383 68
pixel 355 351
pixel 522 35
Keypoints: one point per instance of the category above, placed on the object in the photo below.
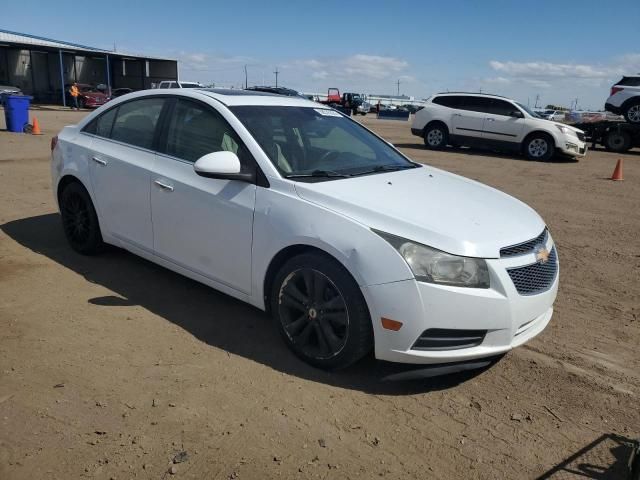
pixel 327 112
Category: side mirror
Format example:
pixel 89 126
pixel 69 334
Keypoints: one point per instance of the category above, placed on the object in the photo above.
pixel 222 165
pixel 516 114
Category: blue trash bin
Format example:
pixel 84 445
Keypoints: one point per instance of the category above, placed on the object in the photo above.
pixel 16 112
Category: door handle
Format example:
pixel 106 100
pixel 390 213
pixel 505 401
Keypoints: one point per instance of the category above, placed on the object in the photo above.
pixel 491 119
pixel 100 161
pixel 164 186
pixel 457 114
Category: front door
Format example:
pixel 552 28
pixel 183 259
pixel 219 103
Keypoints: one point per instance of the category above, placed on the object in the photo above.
pixel 501 125
pixel 202 224
pixel 120 168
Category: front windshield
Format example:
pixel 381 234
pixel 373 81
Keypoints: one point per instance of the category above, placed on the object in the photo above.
pixel 528 110
pixel 317 142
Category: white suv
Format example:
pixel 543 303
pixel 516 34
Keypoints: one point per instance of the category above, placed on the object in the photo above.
pixel 625 99
pixel 178 84
pixel 475 119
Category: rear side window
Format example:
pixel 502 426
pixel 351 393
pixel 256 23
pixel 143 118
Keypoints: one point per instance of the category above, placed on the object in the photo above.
pixel 102 125
pixel 174 85
pixel 629 82
pixel 450 101
pixel 136 122
pixel 195 130
pixel 476 104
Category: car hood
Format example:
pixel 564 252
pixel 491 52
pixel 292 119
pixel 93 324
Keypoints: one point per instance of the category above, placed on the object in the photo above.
pixel 546 122
pixel 432 207
pixel 96 95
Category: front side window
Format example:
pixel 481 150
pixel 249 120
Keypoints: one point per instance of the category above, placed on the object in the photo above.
pixel 136 122
pixel 196 130
pixel 500 107
pixel 102 125
pixel 317 142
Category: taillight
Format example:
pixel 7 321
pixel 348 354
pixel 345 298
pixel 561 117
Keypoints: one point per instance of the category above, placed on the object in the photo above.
pixel 615 90
pixel 54 142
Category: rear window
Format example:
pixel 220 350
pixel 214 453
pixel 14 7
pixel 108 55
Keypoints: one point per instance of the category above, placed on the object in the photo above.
pixel 629 82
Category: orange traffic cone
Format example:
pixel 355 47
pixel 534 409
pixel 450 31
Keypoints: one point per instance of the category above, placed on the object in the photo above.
pixel 36 127
pixel 617 173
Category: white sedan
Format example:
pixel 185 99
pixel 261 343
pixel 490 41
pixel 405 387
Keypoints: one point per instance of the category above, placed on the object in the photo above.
pixel 301 211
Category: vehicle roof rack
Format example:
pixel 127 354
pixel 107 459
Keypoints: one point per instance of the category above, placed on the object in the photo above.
pixel 472 93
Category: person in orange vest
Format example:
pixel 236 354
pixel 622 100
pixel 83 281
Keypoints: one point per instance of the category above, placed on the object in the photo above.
pixel 74 91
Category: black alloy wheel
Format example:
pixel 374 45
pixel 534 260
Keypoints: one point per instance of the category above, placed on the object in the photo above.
pixel 79 220
pixel 320 312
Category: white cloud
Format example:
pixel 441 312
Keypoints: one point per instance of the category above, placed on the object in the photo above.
pixel 548 69
pixel 320 75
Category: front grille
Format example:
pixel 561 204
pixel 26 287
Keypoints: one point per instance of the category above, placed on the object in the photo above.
pixel 524 247
pixel 448 339
pixel 535 278
pixel 580 136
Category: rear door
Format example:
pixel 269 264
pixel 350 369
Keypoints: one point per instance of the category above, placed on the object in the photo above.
pixel 202 224
pixel 120 169
pixel 500 124
pixel 468 118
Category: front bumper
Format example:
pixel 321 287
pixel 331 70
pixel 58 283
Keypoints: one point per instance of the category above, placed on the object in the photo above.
pixel 510 319
pixel 417 132
pixel 572 146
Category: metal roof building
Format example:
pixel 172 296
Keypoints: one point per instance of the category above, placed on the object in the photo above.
pixel 44 68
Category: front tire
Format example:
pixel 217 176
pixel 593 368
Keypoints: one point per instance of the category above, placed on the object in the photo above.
pixel 632 113
pixel 320 312
pixel 539 146
pixel 436 136
pixel 79 220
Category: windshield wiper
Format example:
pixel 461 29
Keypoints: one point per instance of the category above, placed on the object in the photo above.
pixel 318 174
pixel 386 168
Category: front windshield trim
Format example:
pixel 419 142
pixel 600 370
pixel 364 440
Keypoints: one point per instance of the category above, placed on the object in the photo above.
pixel 297 146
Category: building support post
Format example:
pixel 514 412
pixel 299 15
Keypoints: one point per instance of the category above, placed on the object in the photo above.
pixel 64 97
pixel 108 75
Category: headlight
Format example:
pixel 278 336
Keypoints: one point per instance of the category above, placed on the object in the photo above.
pixel 434 266
pixel 562 128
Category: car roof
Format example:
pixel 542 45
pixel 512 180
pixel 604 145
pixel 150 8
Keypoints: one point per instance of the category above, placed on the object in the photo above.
pixel 235 97
pixel 474 94
pixel 231 97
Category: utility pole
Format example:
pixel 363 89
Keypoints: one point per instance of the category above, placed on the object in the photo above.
pixel 537 98
pixel 246 82
pixel 398 83
pixel 276 72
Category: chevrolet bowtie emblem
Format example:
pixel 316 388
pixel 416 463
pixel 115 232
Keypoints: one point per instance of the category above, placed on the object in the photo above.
pixel 542 254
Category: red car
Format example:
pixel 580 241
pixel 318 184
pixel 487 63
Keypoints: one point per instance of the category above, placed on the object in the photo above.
pixel 90 97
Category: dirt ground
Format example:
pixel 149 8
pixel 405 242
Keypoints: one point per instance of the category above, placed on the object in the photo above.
pixel 110 366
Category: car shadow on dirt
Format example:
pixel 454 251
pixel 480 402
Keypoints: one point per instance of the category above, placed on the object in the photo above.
pixel 605 458
pixel 212 317
pixel 479 152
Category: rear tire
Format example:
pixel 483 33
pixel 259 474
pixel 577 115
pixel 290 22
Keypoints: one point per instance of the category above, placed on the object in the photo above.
pixel 436 136
pixel 617 141
pixel 632 113
pixel 79 220
pixel 320 312
pixel 539 146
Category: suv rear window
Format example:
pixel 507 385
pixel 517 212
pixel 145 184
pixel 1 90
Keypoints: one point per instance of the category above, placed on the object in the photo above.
pixel 629 82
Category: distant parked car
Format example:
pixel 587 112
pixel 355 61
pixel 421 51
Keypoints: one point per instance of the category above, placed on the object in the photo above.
pixel 625 99
pixel 118 92
pixel 178 84
pixel 475 119
pixel 8 90
pixel 90 96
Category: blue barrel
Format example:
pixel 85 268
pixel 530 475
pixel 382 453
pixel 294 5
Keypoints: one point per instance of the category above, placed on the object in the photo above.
pixel 16 112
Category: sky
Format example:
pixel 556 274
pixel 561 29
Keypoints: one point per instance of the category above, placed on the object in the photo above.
pixel 549 51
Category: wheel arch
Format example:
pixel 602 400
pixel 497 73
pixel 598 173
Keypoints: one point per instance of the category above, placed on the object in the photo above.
pixel 435 121
pixel 539 132
pixel 635 100
pixel 66 180
pixel 280 258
